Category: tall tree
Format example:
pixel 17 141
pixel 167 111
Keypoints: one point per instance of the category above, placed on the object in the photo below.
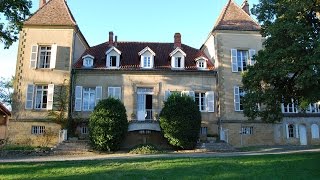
pixel 6 91
pixel 288 68
pixel 12 14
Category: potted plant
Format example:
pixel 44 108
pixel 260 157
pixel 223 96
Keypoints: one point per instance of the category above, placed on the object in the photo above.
pixel 156 116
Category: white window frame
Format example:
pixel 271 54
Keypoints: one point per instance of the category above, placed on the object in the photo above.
pixel 42 91
pixel 201 101
pixel 113 59
pixel 290 108
pixel 88 62
pixel 146 62
pixel 313 108
pixel 112 92
pixel 237 98
pixel 91 92
pixel 38 130
pixel 113 51
pixel 291 130
pixel 247 130
pixel 235 53
pixel 177 61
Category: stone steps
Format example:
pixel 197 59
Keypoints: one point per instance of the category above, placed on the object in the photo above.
pixel 216 146
pixel 71 147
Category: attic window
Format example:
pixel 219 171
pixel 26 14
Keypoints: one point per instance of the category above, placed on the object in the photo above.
pixel 201 64
pixel 177 62
pixel 88 61
pixel 113 61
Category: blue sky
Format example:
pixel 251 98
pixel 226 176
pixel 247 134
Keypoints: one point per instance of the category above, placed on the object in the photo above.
pixel 139 20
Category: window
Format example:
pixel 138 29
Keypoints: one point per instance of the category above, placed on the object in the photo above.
pixel 291 129
pixel 113 58
pixel 315 131
pixel 38 129
pixel 147 62
pixel 289 107
pixel 247 130
pixel 89 97
pixel 114 92
pixel 238 98
pixel 84 130
pixel 201 64
pixel 201 100
pixel 240 59
pixel 113 61
pixel 203 131
pixel 205 101
pixel 43 57
pixel 313 108
pixel 41 97
pixel 177 62
pixel 88 61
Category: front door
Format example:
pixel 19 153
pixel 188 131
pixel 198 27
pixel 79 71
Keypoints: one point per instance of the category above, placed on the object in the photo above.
pixel 303 134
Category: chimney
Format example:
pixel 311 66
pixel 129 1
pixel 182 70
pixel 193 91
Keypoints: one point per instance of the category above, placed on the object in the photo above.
pixel 115 41
pixel 110 38
pixel 245 7
pixel 177 40
pixel 42 3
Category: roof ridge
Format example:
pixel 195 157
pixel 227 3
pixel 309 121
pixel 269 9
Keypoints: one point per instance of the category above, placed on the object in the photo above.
pixel 222 14
pixel 233 17
pixel 54 12
pixel 246 13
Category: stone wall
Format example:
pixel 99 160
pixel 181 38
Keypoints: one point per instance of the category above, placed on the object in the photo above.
pixel 20 133
pixel 263 134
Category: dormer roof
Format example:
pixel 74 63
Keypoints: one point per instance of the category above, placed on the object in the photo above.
pixel 130 59
pixel 146 49
pixel 233 17
pixel 113 49
pixel 53 13
pixel 87 56
pixel 177 50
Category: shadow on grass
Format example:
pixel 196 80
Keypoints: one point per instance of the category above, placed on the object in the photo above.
pixel 293 166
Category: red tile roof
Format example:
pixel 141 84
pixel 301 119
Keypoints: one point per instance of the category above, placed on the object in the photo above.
pixel 4 110
pixel 130 59
pixel 54 12
pixel 234 17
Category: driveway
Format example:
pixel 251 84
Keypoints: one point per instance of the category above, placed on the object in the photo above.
pixel 193 154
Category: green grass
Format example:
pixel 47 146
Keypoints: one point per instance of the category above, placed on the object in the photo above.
pixel 17 147
pixel 290 166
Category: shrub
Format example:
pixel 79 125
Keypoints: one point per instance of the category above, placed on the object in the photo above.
pixel 108 125
pixel 145 149
pixel 180 120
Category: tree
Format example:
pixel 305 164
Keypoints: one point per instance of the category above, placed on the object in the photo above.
pixel 15 12
pixel 180 121
pixel 6 91
pixel 108 125
pixel 288 67
pixel 60 104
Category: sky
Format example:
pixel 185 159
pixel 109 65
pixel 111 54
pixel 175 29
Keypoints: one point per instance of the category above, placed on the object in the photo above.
pixel 139 20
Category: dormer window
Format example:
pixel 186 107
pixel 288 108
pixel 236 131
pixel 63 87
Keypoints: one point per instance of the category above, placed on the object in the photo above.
pixel 147 58
pixel 177 59
pixel 177 62
pixel 113 58
pixel 201 63
pixel 113 61
pixel 147 62
pixel 87 61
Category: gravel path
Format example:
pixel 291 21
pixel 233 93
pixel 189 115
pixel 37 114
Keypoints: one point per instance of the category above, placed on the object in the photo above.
pixel 93 156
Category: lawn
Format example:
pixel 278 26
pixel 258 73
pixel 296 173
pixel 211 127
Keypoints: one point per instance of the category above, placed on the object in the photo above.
pixel 290 166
